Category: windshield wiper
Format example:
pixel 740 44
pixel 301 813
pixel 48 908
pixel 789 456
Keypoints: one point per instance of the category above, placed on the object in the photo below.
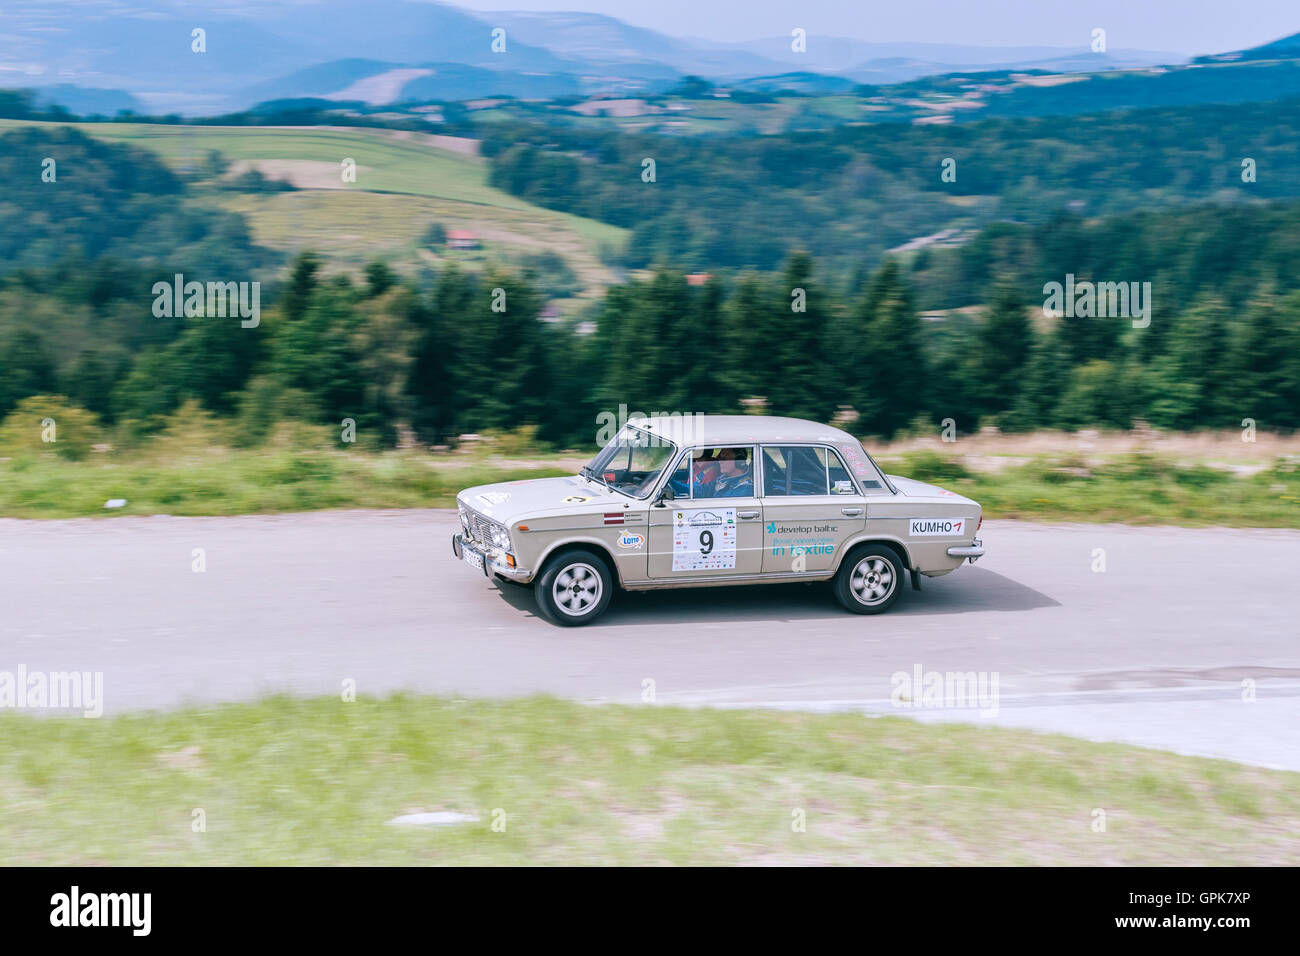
pixel 586 471
pixel 590 474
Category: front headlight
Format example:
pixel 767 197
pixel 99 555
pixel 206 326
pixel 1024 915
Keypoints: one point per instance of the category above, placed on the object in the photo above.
pixel 500 537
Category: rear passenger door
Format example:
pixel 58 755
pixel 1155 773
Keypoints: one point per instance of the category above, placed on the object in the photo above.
pixel 811 507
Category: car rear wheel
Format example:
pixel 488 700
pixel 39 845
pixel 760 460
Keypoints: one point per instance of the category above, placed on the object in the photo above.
pixel 574 588
pixel 869 580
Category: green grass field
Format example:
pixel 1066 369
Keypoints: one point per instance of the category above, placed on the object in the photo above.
pixel 1131 488
pixel 314 782
pixel 229 482
pixel 353 228
pixel 384 162
pixel 194 479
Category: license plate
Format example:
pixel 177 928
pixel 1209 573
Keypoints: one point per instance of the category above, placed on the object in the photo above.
pixel 472 558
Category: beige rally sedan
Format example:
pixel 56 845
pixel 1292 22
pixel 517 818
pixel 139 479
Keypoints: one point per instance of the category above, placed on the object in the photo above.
pixel 700 500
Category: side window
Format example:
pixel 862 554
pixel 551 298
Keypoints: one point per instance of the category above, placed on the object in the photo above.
pixel 680 482
pixel 840 481
pixel 794 470
pixel 723 472
pixel 774 471
pixel 853 453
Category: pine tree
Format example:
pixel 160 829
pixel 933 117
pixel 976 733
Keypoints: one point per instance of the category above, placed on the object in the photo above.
pixel 25 369
pixel 887 354
pixel 748 370
pixel 1004 341
pixel 1259 355
pixel 795 334
pixel 302 285
pixel 706 387
pixel 1188 378
pixel 1042 384
pixel 671 349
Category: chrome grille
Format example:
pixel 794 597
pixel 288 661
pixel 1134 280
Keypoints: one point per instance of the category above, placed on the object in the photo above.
pixel 480 528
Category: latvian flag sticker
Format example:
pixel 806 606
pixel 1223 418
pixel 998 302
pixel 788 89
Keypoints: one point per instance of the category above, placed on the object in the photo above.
pixel 616 518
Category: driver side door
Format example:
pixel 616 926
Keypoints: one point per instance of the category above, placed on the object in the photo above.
pixel 705 532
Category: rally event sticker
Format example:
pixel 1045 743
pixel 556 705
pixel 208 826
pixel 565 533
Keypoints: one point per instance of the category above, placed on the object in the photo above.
pixel 704 539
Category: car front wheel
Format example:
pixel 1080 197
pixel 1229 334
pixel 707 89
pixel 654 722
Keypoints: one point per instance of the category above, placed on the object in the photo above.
pixel 869 580
pixel 574 588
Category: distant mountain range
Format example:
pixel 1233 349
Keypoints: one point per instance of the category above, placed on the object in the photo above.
pixel 86 101
pixel 1287 48
pixel 383 51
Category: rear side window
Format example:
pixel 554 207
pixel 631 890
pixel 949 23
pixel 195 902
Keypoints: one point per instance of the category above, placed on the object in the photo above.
pixel 857 458
pixel 803 470
pixel 840 480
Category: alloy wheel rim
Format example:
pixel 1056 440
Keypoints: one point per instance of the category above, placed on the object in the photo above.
pixel 872 581
pixel 577 589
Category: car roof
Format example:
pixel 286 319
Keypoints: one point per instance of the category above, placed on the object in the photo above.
pixel 740 429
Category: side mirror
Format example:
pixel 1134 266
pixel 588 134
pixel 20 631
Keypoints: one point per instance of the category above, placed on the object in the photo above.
pixel 666 495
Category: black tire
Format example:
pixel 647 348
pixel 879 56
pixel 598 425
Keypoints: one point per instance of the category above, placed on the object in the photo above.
pixel 870 579
pixel 581 575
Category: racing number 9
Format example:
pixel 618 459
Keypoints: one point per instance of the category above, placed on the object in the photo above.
pixel 706 542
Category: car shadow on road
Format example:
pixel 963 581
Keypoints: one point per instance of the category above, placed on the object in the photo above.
pixel 968 590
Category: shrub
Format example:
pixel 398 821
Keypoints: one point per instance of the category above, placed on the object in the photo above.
pixel 1138 466
pixel 516 442
pixel 1057 471
pixel 49 424
pixel 1200 476
pixel 435 236
pixel 264 404
pixel 930 466
pixel 1285 468
pixel 188 431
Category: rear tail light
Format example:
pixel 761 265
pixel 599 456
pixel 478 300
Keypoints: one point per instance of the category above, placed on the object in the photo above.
pixel 981 524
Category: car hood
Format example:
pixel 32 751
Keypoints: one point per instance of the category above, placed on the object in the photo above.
pixel 508 501
pixel 919 489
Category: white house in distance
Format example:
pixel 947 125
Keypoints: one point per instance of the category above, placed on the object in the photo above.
pixel 462 239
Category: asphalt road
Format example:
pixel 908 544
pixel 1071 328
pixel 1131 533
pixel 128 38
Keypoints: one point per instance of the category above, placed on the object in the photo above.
pixel 1159 649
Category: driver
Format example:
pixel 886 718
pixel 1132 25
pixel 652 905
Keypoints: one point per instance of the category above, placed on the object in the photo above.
pixel 705 472
pixel 736 480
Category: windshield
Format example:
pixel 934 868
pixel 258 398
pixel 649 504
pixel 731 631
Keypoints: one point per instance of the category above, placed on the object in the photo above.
pixel 631 462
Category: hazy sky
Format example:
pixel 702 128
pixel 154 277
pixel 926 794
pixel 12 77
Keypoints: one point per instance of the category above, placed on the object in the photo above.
pixel 1180 26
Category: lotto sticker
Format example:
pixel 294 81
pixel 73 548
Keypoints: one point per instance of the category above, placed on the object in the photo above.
pixel 704 539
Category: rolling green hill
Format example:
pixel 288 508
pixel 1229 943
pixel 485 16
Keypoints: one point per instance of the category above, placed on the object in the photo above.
pixel 404 182
pixel 69 195
pixel 851 194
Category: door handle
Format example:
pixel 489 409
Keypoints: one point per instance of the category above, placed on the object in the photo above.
pixel 851 512
pixel 746 514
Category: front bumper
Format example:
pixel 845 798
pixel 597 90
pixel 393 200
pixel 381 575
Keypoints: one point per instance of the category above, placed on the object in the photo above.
pixel 974 551
pixel 492 562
